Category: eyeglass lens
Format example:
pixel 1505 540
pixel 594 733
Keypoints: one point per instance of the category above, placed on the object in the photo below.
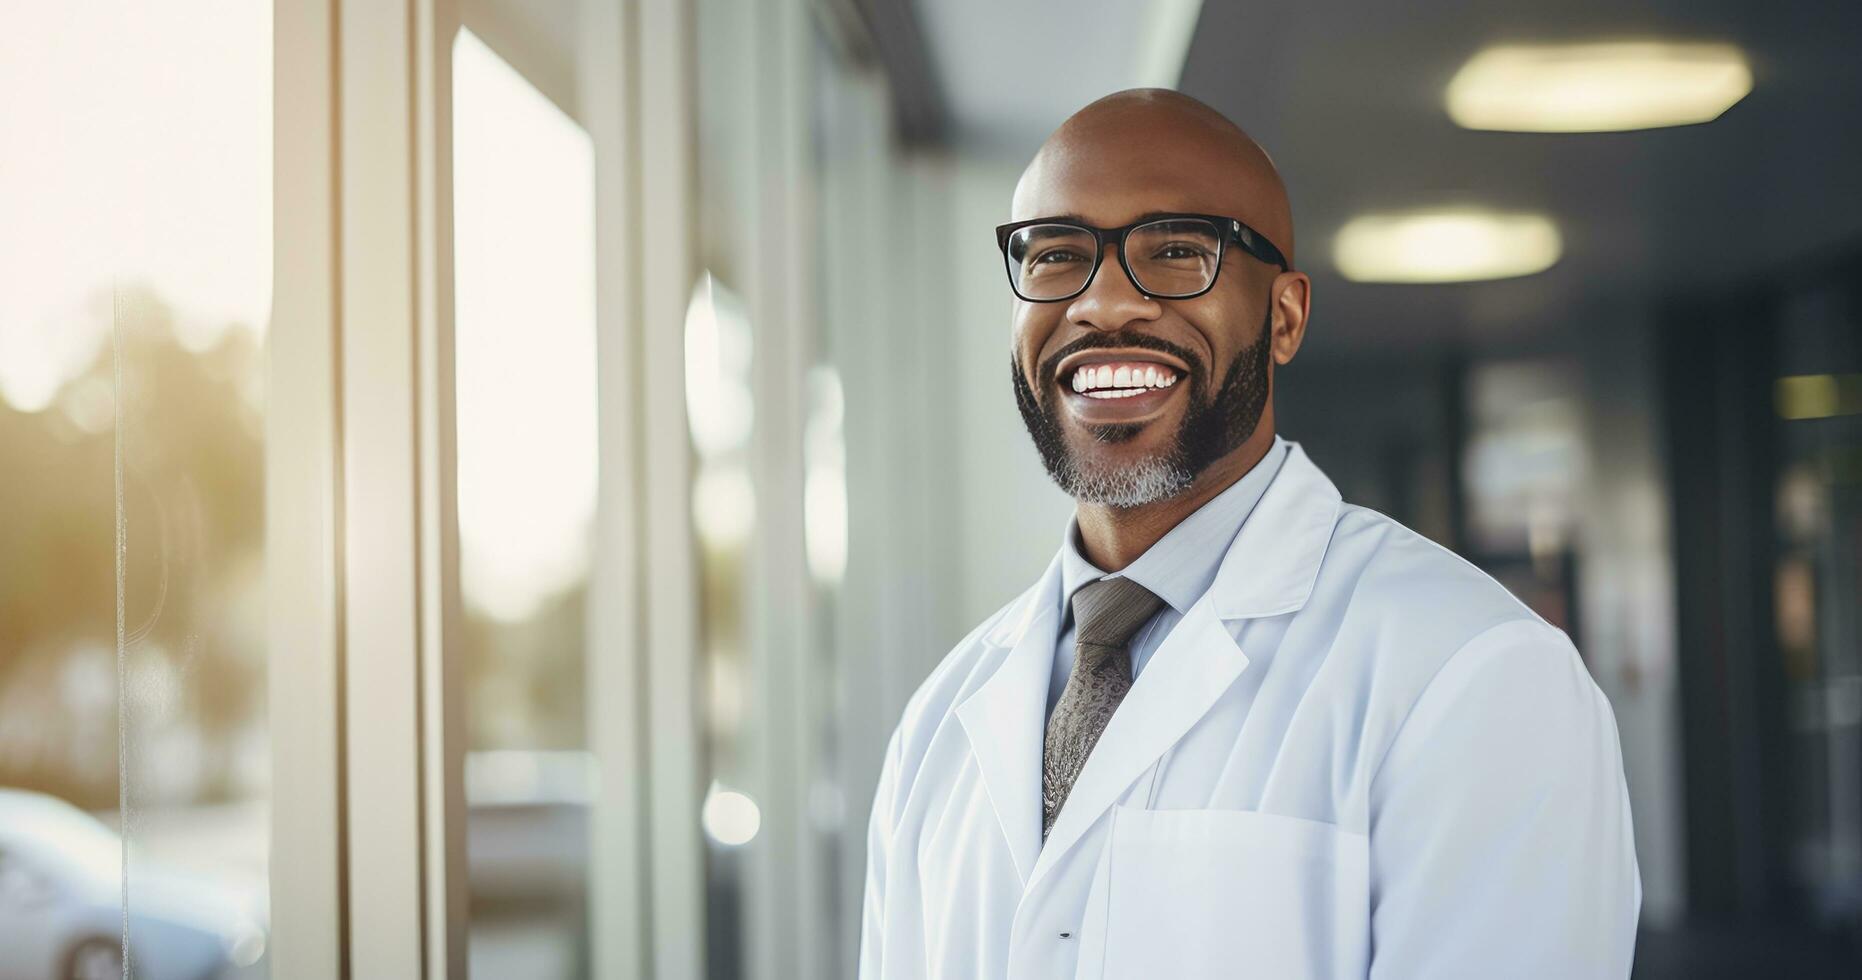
pixel 1171 257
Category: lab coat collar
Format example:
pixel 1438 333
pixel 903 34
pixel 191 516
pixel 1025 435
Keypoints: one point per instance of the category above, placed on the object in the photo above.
pixel 1269 570
pixel 1271 567
pixel 1182 564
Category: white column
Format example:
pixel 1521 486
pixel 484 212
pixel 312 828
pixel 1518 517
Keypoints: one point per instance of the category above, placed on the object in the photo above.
pixel 303 505
pixel 443 730
pixel 783 900
pixel 608 97
pixel 666 150
pixel 368 827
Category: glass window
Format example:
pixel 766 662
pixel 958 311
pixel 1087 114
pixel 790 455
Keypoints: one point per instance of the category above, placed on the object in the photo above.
pixel 135 286
pixel 524 287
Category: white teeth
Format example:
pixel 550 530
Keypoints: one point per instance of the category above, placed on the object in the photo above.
pixel 1129 380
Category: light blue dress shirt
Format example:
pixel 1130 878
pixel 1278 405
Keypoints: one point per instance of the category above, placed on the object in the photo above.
pixel 1177 569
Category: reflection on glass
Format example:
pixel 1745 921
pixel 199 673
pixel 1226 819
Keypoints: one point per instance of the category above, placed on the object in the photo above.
pixel 1816 580
pixel 192 662
pixel 135 280
pixel 730 817
pixel 824 486
pixel 524 273
pixel 720 409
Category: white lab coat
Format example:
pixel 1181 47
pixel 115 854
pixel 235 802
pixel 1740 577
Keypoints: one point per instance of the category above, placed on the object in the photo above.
pixel 1356 755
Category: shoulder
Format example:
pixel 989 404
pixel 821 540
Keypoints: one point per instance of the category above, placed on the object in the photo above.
pixel 1429 636
pixel 1380 577
pixel 930 711
pixel 1410 622
pixel 1424 664
pixel 958 673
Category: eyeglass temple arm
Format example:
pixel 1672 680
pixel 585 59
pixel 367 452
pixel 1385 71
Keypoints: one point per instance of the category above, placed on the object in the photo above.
pixel 1258 245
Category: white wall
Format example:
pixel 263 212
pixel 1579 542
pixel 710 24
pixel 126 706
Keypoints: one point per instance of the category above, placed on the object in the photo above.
pixel 1010 516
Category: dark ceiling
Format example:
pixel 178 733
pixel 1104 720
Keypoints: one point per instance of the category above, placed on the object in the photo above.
pixel 1347 98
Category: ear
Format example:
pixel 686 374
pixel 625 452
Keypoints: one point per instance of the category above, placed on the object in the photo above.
pixel 1291 295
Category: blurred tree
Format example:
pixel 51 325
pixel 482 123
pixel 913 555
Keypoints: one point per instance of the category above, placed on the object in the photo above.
pixel 193 517
pixel 192 511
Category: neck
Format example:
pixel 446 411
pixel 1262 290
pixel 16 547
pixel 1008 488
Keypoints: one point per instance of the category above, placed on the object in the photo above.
pixel 1113 537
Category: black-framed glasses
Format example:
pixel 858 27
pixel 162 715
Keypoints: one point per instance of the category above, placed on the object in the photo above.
pixel 1167 256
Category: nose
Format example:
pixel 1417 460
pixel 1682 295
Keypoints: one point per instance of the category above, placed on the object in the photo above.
pixel 1112 300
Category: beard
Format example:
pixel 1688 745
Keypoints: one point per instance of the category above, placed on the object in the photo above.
pixel 1212 427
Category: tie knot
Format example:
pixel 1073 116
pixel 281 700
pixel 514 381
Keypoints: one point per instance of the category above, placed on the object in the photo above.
pixel 1107 612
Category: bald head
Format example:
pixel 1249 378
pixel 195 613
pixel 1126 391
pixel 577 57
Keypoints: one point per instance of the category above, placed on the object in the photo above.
pixel 1161 146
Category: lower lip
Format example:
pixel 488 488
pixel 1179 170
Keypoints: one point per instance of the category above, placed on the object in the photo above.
pixel 1132 408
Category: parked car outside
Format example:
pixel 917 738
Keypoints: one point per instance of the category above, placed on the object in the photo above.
pixel 62 904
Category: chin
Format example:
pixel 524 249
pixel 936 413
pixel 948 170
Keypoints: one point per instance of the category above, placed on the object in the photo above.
pixel 1125 440
pixel 1106 460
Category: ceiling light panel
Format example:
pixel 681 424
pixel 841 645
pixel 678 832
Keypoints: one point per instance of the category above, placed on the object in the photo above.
pixel 1451 245
pixel 1597 87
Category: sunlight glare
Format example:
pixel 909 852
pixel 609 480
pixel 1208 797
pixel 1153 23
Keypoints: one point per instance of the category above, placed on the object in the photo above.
pixel 130 157
pixel 524 260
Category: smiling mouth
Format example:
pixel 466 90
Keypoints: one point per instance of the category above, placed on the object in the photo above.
pixel 1120 379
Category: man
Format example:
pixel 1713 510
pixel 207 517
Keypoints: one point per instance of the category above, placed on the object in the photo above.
pixel 1238 728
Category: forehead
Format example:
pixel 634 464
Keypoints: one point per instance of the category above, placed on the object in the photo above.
pixel 1111 183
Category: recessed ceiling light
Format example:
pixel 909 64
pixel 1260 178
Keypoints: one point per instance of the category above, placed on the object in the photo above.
pixel 1819 396
pixel 1448 245
pixel 1597 87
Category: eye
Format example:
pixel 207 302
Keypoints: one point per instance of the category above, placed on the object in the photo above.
pixel 1056 255
pixel 1181 250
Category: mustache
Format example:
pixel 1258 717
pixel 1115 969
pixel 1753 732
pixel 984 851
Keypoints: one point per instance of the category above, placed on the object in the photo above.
pixel 1050 367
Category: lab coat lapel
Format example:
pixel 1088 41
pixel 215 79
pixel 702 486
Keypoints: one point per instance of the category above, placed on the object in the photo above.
pixel 1274 563
pixel 1193 666
pixel 1005 719
pixel 1269 570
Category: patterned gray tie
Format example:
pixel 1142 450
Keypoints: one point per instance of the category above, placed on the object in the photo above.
pixel 1105 614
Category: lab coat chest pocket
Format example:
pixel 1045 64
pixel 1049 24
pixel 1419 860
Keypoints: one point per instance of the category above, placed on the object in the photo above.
pixel 1234 893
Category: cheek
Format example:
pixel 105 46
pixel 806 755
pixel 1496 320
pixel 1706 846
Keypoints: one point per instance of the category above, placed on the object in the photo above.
pixel 1029 337
pixel 1221 328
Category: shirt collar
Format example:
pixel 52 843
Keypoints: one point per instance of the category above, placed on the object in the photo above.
pixel 1180 566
